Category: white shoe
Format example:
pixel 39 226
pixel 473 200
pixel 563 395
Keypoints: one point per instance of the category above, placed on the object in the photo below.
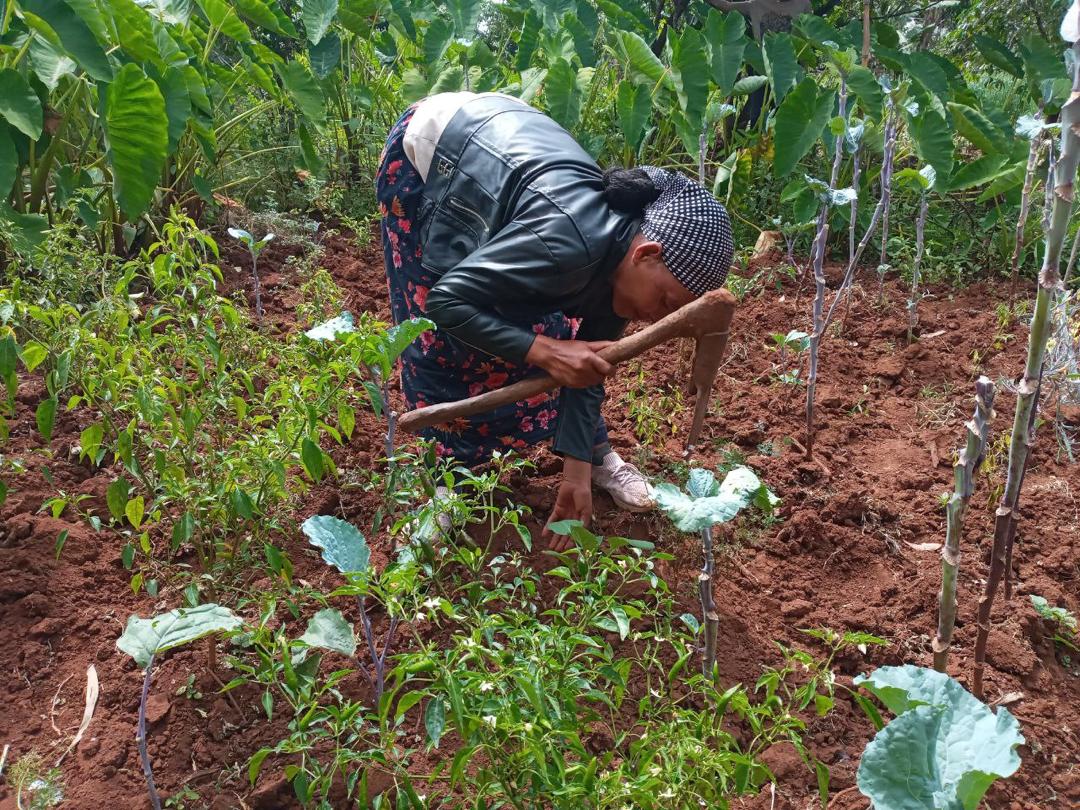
pixel 624 483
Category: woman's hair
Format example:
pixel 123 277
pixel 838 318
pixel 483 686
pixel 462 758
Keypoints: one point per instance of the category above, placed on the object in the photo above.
pixel 629 190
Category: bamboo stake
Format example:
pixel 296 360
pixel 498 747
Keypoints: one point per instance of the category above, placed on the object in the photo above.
pixel 978 430
pixel 817 257
pixel 1028 390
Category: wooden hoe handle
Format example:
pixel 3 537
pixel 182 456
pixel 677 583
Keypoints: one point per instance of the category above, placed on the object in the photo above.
pixel 708 315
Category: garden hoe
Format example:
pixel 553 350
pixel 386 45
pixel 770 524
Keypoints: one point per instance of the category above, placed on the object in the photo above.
pixel 707 320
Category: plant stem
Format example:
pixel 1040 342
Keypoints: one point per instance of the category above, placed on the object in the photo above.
pixel 708 608
pixel 1028 389
pixel 817 258
pixel 920 233
pixel 1025 201
pixel 854 215
pixel 978 430
pixel 258 287
pixel 144 755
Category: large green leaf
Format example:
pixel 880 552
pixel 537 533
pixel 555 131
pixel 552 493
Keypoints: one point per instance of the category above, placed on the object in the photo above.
pixel 325 56
pixel 304 90
pixel 528 40
pixel 50 63
pixel 726 34
pixel 866 88
pixel 436 40
pixel 690 73
pixel 174 90
pixel 633 105
pixel 134 31
pixel 638 58
pixel 145 638
pixel 136 137
pixel 74 34
pixel 780 63
pixel 19 104
pixel 173 12
pixel 978 129
pixel 342 544
pixel 927 72
pixel 816 30
pixel 224 17
pixel 799 123
pixel 943 750
pixel 933 142
pixel 464 15
pixel 692 513
pixel 561 93
pixel 266 15
pixel 9 162
pixel 328 630
pixel 1041 61
pixel 999 55
pixel 317 16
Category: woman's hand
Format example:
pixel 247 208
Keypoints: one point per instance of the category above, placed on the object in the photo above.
pixel 574 501
pixel 571 363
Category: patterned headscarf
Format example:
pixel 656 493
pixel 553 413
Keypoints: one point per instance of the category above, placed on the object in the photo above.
pixel 693 228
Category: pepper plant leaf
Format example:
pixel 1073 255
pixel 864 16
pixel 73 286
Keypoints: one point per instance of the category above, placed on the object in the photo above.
pixel 328 630
pixel 692 513
pixel 145 638
pixel 945 747
pixel 342 544
pixel 395 341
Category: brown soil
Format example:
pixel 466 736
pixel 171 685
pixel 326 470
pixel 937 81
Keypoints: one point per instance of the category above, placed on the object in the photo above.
pixel 842 556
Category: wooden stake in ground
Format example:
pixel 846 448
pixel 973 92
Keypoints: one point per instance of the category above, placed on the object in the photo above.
pixel 1027 392
pixel 978 429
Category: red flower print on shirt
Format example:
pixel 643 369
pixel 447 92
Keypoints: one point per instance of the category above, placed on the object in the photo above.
pixel 392 169
pixel 420 297
pixel 496 379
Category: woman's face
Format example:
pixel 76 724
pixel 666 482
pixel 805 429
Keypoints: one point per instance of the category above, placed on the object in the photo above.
pixel 644 289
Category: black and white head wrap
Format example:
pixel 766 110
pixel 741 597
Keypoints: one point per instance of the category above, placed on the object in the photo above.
pixel 693 228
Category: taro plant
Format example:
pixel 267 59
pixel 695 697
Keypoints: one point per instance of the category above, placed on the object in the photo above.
pixel 944 747
pixel 706 503
pixel 255 247
pixel 146 639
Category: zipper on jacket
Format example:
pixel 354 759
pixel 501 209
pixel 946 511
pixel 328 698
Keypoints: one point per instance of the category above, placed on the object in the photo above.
pixel 461 207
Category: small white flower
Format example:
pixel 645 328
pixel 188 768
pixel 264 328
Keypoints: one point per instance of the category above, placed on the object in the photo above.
pixel 490 719
pixel 668 793
pixel 487 686
pixel 431 604
pixel 528 727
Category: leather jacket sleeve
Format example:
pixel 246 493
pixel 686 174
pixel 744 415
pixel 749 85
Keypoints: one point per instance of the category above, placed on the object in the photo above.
pixel 533 262
pixel 513 265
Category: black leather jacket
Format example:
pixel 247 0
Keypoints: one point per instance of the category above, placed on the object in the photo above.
pixel 515 224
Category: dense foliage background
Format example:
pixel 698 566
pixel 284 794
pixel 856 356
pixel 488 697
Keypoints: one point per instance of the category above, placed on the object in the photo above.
pixel 114 111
